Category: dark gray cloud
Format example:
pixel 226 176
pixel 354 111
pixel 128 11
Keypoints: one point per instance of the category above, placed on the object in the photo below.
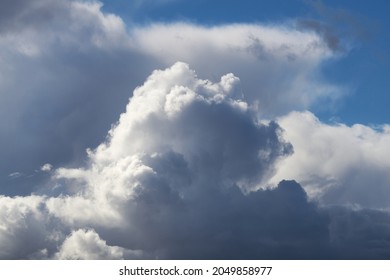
pixel 16 15
pixel 339 27
pixel 226 224
pixel 222 224
pixel 60 90
pixel 330 35
pixel 360 233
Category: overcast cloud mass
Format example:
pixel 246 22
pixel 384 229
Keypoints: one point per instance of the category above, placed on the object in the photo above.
pixel 180 141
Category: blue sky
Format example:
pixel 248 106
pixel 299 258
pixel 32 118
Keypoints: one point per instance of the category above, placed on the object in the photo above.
pixel 176 129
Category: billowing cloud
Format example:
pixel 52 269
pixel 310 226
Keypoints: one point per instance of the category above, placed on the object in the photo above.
pixel 337 164
pixel 183 174
pixel 25 228
pixel 182 145
pixel 87 245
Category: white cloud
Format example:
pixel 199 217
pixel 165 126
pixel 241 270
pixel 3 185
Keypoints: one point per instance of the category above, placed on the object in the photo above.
pixel 46 167
pixel 15 175
pixel 87 245
pixel 24 227
pixel 279 65
pixel 104 30
pixel 336 163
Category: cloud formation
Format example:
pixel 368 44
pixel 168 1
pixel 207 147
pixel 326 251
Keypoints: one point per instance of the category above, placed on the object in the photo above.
pixel 337 164
pixel 182 175
pixel 24 227
pixel 87 245
pixel 184 149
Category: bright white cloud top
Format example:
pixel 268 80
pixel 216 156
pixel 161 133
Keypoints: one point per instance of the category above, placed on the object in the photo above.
pixel 193 168
pixel 279 65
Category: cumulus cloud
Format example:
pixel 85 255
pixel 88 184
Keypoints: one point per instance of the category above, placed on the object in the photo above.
pixel 335 163
pixel 181 134
pixel 184 149
pixel 25 227
pixel 87 245
pixel 183 174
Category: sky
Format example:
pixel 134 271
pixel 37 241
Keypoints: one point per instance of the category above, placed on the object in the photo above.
pixel 177 129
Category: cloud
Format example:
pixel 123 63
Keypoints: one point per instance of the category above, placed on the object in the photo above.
pixel 87 245
pixel 341 29
pixel 183 175
pixel 182 133
pixel 46 167
pixel 279 66
pixel 19 14
pixel 330 36
pixel 342 23
pixel 77 71
pixel 359 234
pixel 337 164
pixel 15 175
pixel 25 228
pixel 178 178
pixel 184 149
